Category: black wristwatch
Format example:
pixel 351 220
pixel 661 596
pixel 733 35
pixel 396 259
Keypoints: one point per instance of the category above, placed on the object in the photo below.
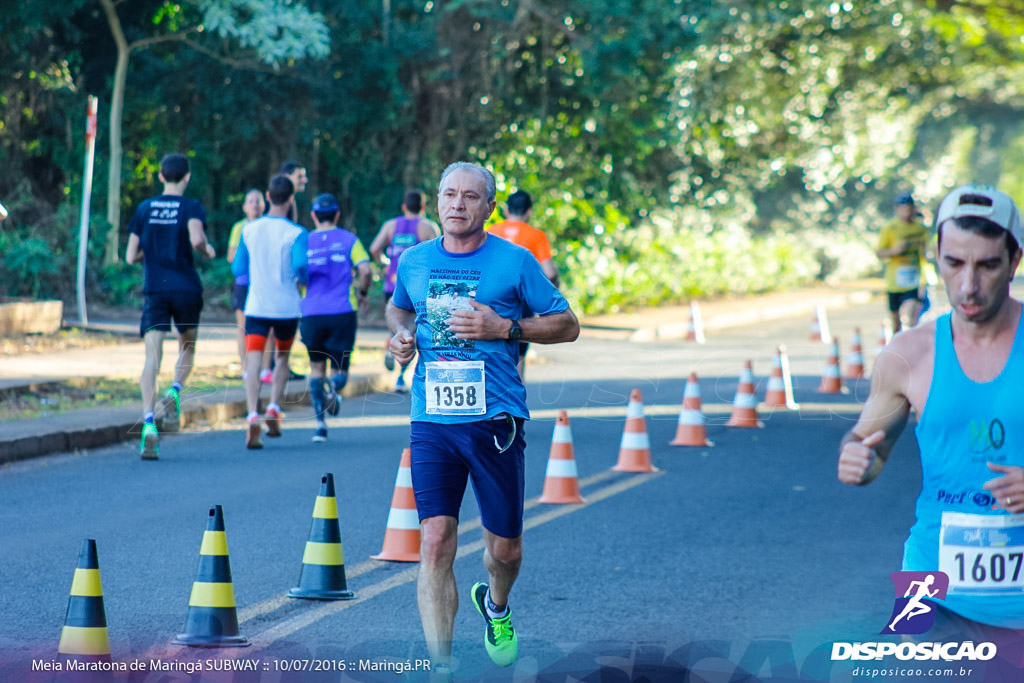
pixel 515 332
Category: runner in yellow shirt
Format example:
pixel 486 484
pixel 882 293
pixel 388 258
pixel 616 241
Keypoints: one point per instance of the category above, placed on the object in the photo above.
pixel 901 245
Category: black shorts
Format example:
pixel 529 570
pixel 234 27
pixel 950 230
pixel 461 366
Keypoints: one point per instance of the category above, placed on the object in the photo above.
pixel 897 299
pixel 330 337
pixel 239 293
pixel 160 308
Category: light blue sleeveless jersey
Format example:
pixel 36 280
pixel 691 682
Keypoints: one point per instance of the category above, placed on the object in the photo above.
pixel 964 426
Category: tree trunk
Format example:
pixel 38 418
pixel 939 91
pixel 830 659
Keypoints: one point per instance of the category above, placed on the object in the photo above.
pixel 116 111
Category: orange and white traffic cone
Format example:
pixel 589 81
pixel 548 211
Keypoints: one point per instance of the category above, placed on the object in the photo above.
pixel 780 384
pixel 561 484
pixel 819 325
pixel 691 430
pixel 744 406
pixel 402 536
pixel 884 336
pixel 695 332
pixel 635 447
pixel 855 369
pixel 831 382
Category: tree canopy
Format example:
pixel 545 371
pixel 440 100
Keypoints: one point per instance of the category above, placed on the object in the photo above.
pixel 673 148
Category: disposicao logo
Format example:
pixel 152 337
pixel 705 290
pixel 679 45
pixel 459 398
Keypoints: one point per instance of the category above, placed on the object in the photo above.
pixel 913 614
pixel 916 592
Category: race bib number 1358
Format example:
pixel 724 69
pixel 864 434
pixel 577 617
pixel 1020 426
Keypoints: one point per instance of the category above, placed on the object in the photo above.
pixel 455 388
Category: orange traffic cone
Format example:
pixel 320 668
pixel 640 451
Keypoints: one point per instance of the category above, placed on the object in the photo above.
pixel 884 336
pixel 691 430
pixel 85 636
pixel 819 325
pixel 212 619
pixel 831 382
pixel 744 406
pixel 402 536
pixel 322 576
pixel 855 369
pixel 635 447
pixel 695 332
pixel 780 384
pixel 561 484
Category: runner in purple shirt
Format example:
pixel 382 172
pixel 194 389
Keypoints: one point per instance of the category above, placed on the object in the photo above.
pixel 329 318
pixel 395 236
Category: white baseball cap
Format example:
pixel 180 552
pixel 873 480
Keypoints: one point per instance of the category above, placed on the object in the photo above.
pixel 981 201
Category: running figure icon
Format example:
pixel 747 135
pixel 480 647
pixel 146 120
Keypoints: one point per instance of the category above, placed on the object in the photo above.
pixel 915 606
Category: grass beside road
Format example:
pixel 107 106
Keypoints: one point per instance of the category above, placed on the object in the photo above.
pixel 65 339
pixel 51 398
pixel 47 399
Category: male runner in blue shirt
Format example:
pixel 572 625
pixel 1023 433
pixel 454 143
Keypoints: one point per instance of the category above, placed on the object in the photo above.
pixel 460 302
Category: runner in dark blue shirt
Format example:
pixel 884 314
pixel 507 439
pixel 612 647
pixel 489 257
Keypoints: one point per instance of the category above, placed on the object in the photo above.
pixel 164 232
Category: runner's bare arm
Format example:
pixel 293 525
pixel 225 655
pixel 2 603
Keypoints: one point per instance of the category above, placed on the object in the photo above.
pixel 865 448
pixel 381 241
pixel 134 252
pixel 554 328
pixel 402 324
pixel 197 236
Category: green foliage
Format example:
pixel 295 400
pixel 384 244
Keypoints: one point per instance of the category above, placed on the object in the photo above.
pixel 673 148
pixel 27 266
pixel 276 30
pixel 666 261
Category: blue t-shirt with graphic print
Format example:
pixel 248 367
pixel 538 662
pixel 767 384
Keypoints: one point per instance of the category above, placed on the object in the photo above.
pixel 433 282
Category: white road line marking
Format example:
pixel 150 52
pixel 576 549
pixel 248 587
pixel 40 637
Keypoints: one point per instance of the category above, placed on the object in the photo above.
pixel 287 627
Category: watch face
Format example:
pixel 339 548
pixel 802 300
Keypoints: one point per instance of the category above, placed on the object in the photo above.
pixel 516 332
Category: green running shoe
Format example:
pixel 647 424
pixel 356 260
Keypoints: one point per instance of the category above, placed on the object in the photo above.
pixel 500 639
pixel 172 410
pixel 150 445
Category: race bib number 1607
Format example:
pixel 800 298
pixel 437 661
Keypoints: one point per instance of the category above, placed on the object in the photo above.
pixel 455 388
pixel 982 554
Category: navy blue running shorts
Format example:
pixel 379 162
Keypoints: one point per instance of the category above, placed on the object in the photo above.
pixel 160 308
pixel 445 456
pixel 239 293
pixel 330 337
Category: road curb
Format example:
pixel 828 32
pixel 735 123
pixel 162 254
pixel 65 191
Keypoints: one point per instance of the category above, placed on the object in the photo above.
pixel 752 316
pixel 208 410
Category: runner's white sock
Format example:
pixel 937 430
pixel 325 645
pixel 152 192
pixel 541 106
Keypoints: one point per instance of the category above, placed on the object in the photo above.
pixel 492 610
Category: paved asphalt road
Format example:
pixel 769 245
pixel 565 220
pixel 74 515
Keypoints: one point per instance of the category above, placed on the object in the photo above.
pixel 750 546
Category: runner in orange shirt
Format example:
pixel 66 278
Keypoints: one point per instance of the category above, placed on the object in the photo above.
pixel 517 229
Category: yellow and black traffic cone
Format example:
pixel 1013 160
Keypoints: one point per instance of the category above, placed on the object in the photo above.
pixel 322 576
pixel 212 620
pixel 85 634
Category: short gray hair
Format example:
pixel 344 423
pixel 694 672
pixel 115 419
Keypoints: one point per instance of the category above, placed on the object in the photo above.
pixel 467 166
